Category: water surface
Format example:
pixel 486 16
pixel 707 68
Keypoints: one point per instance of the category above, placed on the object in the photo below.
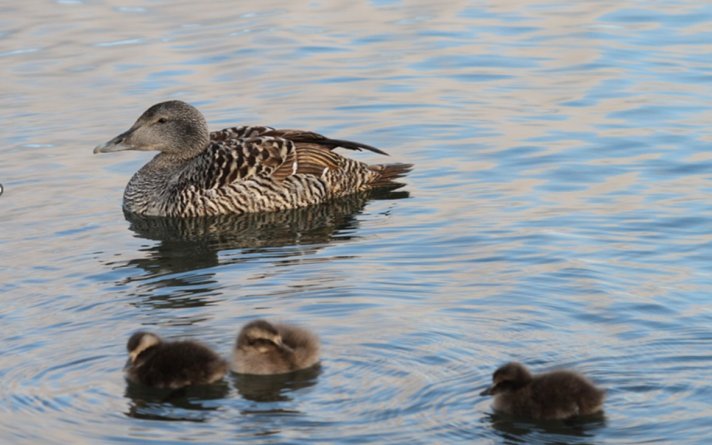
pixel 559 214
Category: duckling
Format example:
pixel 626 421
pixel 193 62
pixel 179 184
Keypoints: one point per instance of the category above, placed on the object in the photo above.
pixel 176 364
pixel 239 169
pixel 273 348
pixel 552 395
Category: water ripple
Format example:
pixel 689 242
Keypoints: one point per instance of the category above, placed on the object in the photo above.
pixel 558 215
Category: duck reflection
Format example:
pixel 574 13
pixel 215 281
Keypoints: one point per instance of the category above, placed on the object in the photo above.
pixel 516 430
pixel 193 403
pixel 275 388
pixel 318 224
pixel 197 245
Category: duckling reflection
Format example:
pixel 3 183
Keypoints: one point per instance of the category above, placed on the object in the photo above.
pixel 277 387
pixel 189 403
pixel 580 430
pixel 552 395
pixel 154 362
pixel 265 348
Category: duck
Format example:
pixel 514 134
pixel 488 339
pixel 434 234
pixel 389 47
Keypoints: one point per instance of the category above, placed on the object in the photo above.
pixel 245 169
pixel 175 364
pixel 265 348
pixel 554 395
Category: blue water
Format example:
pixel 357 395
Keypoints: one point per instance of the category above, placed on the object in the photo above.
pixel 559 214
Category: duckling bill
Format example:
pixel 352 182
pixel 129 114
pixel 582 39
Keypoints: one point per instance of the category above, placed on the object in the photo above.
pixel 160 364
pixel 552 395
pixel 265 348
pixel 239 169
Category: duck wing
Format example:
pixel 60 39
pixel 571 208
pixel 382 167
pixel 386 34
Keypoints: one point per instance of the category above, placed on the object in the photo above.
pixel 233 160
pixel 311 138
pixel 242 132
pixel 296 136
pixel 239 153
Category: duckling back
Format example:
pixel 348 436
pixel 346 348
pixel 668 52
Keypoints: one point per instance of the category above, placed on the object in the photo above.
pixel 304 344
pixel 175 365
pixel 554 395
pixel 276 349
pixel 563 394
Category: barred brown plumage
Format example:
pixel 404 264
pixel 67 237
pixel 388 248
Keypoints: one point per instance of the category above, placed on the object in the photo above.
pixel 239 169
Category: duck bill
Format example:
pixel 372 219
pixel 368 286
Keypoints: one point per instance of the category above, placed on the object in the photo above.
pixel 116 144
pixel 488 392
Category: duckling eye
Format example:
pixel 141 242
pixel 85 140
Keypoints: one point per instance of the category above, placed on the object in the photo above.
pixel 162 120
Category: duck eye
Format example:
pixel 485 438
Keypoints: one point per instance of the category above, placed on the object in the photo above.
pixel 162 120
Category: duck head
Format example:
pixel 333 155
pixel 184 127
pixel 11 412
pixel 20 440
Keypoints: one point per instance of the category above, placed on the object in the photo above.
pixel 509 377
pixel 172 127
pixel 261 336
pixel 139 342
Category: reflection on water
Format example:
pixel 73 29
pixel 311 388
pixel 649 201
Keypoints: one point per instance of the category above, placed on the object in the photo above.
pixel 198 403
pixel 188 244
pixel 252 232
pixel 581 430
pixel 192 403
pixel 275 388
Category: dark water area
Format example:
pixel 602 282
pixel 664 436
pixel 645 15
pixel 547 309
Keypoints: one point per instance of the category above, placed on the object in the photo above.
pixel 559 214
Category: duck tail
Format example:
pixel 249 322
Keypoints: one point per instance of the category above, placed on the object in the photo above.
pixel 387 174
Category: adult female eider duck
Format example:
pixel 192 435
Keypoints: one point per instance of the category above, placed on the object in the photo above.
pixel 239 169
pixel 161 364
pixel 274 348
pixel 553 395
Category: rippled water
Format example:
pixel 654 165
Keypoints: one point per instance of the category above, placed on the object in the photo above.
pixel 559 214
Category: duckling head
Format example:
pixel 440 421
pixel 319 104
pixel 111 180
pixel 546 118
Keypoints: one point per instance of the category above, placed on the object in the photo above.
pixel 172 127
pixel 261 336
pixel 139 342
pixel 509 377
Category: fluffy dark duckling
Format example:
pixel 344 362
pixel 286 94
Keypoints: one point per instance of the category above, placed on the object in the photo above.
pixel 176 364
pixel 274 348
pixel 552 395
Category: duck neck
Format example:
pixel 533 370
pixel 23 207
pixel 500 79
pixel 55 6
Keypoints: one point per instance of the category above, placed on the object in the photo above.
pixel 150 187
pixel 159 170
